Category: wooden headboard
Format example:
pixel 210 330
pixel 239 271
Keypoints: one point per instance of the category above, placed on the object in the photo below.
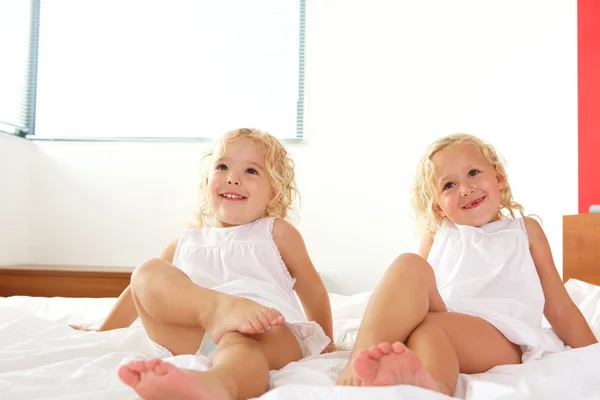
pixel 581 248
pixel 63 281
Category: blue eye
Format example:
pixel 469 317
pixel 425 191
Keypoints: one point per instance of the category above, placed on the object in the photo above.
pixel 473 172
pixel 222 167
pixel 448 185
pixel 252 171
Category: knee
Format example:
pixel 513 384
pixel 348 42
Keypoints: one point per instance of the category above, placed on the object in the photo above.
pixel 410 263
pixel 148 268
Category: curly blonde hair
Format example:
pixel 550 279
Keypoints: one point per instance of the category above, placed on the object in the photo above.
pixel 424 195
pixel 279 166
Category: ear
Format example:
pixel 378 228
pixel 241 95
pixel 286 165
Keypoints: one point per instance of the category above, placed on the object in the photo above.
pixel 500 180
pixel 438 210
pixel 273 201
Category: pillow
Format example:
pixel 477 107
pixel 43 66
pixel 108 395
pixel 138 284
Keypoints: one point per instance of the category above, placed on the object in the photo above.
pixel 347 314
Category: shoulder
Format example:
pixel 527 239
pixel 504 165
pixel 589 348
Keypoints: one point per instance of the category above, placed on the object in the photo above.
pixel 288 240
pixel 426 244
pixel 170 250
pixel 533 227
pixel 168 253
pixel 291 248
pixel 535 232
pixel 285 234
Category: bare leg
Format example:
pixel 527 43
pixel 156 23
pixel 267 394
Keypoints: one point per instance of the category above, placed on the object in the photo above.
pixel 406 307
pixel 444 344
pixel 401 300
pixel 175 311
pixel 240 369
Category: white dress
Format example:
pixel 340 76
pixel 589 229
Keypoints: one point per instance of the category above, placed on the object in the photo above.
pixel 488 272
pixel 244 261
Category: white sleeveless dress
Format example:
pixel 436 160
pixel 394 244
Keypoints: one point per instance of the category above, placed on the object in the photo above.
pixel 488 272
pixel 244 261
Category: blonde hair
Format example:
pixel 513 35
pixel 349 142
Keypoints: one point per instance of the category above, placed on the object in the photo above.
pixel 279 166
pixel 424 194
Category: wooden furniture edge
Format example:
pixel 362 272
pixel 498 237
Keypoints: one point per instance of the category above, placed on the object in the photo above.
pixel 63 280
pixel 581 248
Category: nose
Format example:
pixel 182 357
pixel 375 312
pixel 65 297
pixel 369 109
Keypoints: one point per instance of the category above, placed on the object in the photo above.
pixel 466 190
pixel 233 179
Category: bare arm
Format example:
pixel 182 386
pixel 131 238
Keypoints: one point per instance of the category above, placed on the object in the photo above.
pixel 564 316
pixel 124 313
pixel 309 286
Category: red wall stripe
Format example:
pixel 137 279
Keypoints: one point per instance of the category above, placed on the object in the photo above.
pixel 588 83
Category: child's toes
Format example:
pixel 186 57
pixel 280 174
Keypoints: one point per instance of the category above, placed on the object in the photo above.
pixel 264 321
pixel 149 365
pixel 375 352
pixel 274 316
pixel 138 366
pixel 398 347
pixel 386 348
pixel 245 327
pixel 256 325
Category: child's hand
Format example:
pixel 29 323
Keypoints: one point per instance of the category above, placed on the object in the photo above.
pixel 81 328
pixel 331 347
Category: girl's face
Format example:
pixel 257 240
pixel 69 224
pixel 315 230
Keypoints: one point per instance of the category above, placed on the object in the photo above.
pixel 468 187
pixel 239 190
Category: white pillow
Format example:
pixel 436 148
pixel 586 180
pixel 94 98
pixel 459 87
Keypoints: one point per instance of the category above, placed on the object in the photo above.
pixel 347 315
pixel 587 297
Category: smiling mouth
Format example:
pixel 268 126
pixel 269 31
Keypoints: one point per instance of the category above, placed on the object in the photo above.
pixel 232 196
pixel 474 203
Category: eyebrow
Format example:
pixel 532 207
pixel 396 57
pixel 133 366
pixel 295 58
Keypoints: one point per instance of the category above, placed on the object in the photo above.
pixel 256 165
pixel 443 179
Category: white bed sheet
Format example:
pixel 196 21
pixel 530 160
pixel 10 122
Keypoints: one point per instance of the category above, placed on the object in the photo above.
pixel 42 358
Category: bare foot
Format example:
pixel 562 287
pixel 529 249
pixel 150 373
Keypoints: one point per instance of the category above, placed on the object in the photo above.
pixel 236 314
pixel 81 328
pixel 392 364
pixel 158 380
pixel 348 377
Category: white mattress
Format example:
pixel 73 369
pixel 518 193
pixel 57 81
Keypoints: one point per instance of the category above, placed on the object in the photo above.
pixel 42 358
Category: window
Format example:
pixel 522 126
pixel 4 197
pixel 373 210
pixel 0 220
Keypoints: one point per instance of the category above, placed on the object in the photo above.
pixel 169 69
pixel 18 49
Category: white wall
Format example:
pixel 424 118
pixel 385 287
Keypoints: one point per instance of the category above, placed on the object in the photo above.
pixel 383 79
pixel 15 199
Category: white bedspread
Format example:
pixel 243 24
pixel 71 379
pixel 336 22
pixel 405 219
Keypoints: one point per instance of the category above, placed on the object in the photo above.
pixel 42 358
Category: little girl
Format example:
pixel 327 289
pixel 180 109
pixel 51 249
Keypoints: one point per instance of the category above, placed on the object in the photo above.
pixel 478 300
pixel 233 279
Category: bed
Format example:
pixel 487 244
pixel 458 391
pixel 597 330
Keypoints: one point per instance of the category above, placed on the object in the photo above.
pixel 42 358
